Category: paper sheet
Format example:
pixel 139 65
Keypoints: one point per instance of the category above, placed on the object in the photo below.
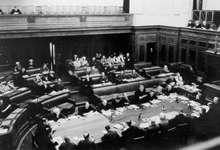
pixel 146 104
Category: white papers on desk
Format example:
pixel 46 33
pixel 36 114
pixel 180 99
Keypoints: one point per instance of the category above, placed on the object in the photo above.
pixel 162 97
pixel 171 115
pixel 134 107
pixel 144 125
pixel 183 98
pixel 118 126
pixel 155 101
pixel 146 104
pixel 194 104
pixel 61 121
pixel 72 117
pixel 58 139
pixel 120 109
pixel 107 112
pixel 195 114
pixel 22 89
pixel 2 130
pixel 156 119
pixel 206 108
pixel 104 131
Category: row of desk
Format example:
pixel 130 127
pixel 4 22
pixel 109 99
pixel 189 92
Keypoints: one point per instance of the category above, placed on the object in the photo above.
pixel 95 123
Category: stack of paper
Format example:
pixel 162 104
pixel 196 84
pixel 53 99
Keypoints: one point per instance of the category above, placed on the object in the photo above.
pixel 134 106
pixel 118 126
pixel 156 119
pixel 146 104
pixel 171 115
pixel 2 130
pixel 107 113
pixel 155 101
pixel 72 117
pixel 144 125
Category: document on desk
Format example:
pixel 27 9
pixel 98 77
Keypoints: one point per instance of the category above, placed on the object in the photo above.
pixel 2 130
pixel 146 104
pixel 73 117
pixel 155 101
pixel 144 125
pixel 107 113
pixel 134 106
pixel 156 119
pixel 171 115
pixel 118 126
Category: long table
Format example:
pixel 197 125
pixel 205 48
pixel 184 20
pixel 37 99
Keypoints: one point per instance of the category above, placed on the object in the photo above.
pixel 95 124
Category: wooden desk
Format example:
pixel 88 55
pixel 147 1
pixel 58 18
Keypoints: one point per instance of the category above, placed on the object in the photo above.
pixel 152 68
pixel 101 85
pixel 96 124
pixel 164 75
pixel 134 80
pixel 188 91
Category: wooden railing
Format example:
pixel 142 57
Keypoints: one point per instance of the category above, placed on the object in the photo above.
pixel 30 22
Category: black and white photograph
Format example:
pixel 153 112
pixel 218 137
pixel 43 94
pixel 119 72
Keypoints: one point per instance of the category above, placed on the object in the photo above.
pixel 109 74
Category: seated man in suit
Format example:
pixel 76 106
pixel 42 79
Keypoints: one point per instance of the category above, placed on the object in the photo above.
pixel 86 88
pixel 103 78
pixel 86 144
pixel 15 11
pixel 134 74
pixel 140 95
pixel 169 89
pixel 110 138
pixel 18 67
pixel 1 12
pixel 205 25
pixel 103 106
pixel 165 69
pixel 55 115
pixel 131 132
pixel 119 102
pixel 44 68
pixel 86 109
pixel 197 24
pixel 94 70
pixel 190 24
pixel 121 67
pixel 43 135
pixel 151 96
pixel 120 77
pixel 59 85
pixel 178 79
pixel 67 144
pixel 153 128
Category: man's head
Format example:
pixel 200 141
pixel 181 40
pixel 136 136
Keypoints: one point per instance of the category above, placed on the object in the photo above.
pixel 104 102
pixel 215 100
pixel 87 105
pixel 86 135
pixel 67 139
pixel 117 99
pixel 141 88
pixel 107 127
pixel 129 122
pixel 1 102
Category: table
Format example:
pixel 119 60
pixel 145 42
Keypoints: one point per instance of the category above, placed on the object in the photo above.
pixel 91 76
pixel 163 75
pixel 134 80
pixel 101 85
pixel 188 90
pixel 151 68
pixel 95 124
pixel 14 92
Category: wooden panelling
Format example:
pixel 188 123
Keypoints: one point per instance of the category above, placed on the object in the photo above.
pixel 8 22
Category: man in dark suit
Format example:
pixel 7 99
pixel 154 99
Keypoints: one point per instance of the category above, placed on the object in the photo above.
pixel 67 144
pixel 131 132
pixel 15 11
pixel 103 106
pixel 140 95
pixel 87 143
pixel 119 102
pixel 110 138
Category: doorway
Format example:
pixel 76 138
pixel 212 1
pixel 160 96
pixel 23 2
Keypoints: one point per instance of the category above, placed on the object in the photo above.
pixel 151 53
